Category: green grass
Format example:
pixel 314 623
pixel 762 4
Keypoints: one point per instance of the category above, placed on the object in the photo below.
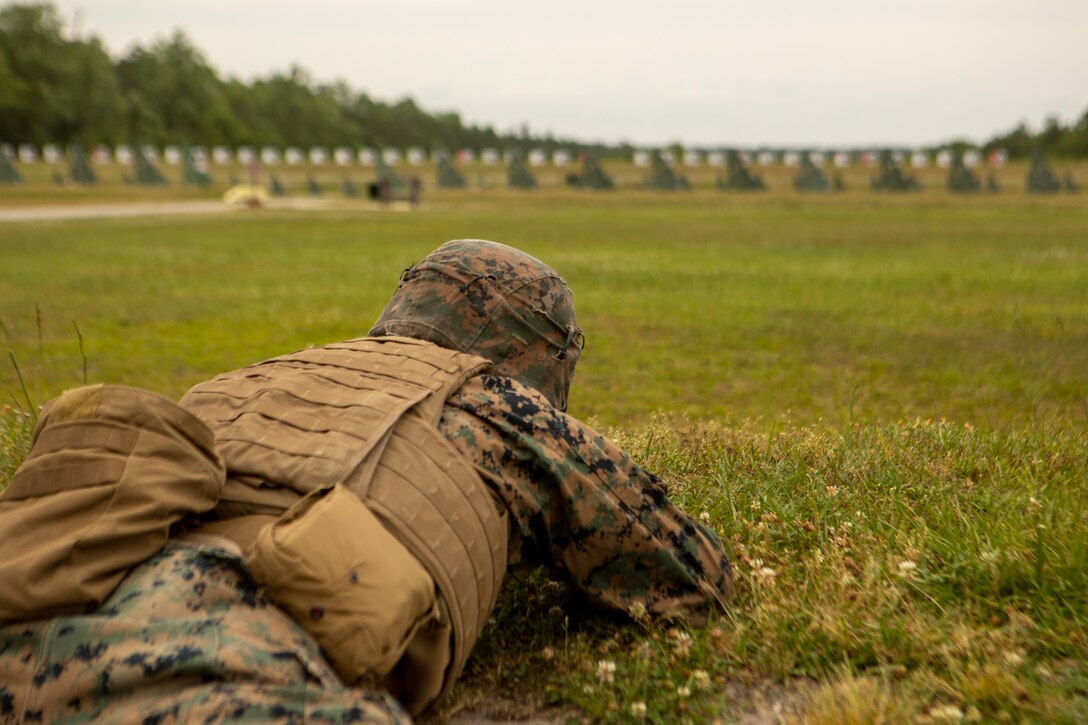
pixel 857 309
pixel 880 401
pixel 883 573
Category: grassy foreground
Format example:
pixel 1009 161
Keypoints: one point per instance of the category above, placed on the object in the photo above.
pixel 923 572
pixel 880 402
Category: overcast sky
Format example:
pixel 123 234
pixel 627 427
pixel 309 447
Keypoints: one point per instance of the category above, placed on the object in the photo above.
pixel 703 72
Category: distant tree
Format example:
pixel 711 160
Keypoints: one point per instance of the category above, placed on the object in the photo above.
pixel 13 95
pixel 53 89
pixel 1051 134
pixel 174 96
pixel 97 99
pixel 1054 138
pixel 287 109
pixel 1075 141
pixel 33 56
pixel 247 106
pixel 1018 142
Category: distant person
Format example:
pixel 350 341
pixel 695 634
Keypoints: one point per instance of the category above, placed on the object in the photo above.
pixel 415 189
pixel 323 535
pixel 385 192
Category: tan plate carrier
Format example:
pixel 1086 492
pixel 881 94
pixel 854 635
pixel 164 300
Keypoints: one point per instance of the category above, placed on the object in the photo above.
pixel 363 413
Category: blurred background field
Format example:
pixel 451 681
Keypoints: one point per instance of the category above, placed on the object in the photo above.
pixel 832 308
pixel 40 186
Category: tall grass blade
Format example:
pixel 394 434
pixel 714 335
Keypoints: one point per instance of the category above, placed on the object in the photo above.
pixel 22 383
pixel 82 351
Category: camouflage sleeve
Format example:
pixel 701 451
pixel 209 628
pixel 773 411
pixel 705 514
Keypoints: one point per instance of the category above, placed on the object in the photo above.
pixel 185 637
pixel 579 504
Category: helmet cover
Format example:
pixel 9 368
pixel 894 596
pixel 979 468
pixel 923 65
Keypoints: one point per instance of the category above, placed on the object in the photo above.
pixel 491 300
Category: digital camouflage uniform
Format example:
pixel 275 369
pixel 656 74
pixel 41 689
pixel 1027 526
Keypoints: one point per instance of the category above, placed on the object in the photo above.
pixel 187 635
pixel 580 505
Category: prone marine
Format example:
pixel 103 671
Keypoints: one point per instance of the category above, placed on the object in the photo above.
pixel 323 535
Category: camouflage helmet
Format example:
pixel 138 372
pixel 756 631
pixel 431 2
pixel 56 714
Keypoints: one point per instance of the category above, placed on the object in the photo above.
pixel 494 301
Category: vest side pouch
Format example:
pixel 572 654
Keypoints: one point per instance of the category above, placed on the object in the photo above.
pixel 110 470
pixel 333 566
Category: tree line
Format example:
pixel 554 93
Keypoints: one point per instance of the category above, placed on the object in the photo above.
pixel 59 89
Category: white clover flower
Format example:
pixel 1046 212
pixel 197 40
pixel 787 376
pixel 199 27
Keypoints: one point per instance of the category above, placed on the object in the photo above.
pixel 638 709
pixel 947 713
pixel 701 678
pixel 681 642
pixel 606 670
pixel 705 517
pixel 1013 659
pixel 683 691
pixel 766 575
pixel 637 611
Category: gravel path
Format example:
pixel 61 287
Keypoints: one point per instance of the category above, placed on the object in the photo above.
pixel 105 211
pixel 108 210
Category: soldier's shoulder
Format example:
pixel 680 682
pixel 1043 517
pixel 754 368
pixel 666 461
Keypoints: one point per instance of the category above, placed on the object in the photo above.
pixel 489 392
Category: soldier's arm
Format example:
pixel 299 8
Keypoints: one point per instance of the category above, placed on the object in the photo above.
pixel 579 504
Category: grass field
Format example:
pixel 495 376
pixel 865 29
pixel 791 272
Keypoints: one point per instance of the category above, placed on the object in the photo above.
pixel 849 308
pixel 879 400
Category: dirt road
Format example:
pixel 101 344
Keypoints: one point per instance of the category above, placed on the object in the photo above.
pixel 63 212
